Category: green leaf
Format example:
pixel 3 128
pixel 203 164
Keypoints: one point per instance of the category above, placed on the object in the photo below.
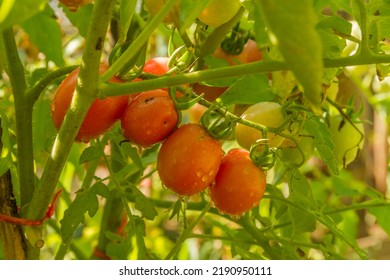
pixel 300 194
pixel 81 18
pixel 90 153
pixel 119 248
pixel 45 33
pixel 250 89
pixel 84 202
pixel 126 16
pixel 101 189
pixel 17 11
pixel 144 204
pixel 382 215
pixel 293 23
pixel 132 153
pixel 322 141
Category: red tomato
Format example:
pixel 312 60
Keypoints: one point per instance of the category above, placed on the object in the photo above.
pixel 189 159
pixel 102 114
pixel 157 66
pixel 149 118
pixel 250 53
pixel 239 184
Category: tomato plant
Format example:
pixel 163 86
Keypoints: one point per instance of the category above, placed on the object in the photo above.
pixel 150 196
pixel 100 117
pixel 188 160
pixel 149 118
pixel 239 184
pixel 264 113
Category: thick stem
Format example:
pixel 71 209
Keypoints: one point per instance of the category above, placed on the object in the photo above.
pixel 23 117
pixel 84 96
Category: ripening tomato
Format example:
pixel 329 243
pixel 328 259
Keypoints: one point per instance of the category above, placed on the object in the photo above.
pixel 157 65
pixel 239 184
pixel 218 12
pixel 348 141
pixel 74 5
pixel 250 53
pixel 149 118
pixel 265 113
pixel 296 153
pixel 189 159
pixel 102 114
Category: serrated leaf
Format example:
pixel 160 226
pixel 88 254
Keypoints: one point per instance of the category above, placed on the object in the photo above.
pixel 322 141
pixel 45 33
pixel 144 204
pixel 90 153
pixel 250 89
pixel 73 216
pixel 132 152
pixel 300 194
pixel 17 11
pixel 119 248
pixel 101 189
pixel 293 24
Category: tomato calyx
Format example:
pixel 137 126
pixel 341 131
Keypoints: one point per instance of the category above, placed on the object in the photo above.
pixel 235 41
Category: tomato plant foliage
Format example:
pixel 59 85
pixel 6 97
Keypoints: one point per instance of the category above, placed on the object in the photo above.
pixel 259 131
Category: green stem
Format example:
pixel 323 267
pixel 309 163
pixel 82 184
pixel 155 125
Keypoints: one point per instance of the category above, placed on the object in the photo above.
pixel 364 47
pixel 85 94
pixel 138 42
pixel 35 92
pixel 187 233
pixel 228 72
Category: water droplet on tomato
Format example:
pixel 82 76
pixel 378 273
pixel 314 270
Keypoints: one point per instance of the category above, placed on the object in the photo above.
pixel 184 198
pixel 235 217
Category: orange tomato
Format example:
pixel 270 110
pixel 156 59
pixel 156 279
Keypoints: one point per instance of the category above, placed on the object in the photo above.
pixel 149 118
pixel 239 184
pixel 100 117
pixel 189 159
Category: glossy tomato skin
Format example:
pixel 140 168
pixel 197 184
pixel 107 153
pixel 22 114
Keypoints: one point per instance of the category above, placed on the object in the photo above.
pixel 149 118
pixel 157 65
pixel 218 12
pixel 250 53
pixel 100 117
pixel 239 184
pixel 264 113
pixel 189 159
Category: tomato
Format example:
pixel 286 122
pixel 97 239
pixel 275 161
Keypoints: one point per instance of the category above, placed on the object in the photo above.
pixel 209 93
pixel 296 154
pixel 218 12
pixel 74 5
pixel 265 113
pixel 239 184
pixel 157 65
pixel 188 160
pixel 149 118
pixel 250 53
pixel 347 139
pixel 102 114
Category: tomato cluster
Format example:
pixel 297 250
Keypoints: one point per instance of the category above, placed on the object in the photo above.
pixel 134 111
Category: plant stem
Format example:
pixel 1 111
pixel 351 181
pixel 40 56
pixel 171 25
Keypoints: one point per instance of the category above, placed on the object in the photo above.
pixel 138 42
pixel 84 96
pixel 23 117
pixel 228 72
pixel 364 47
pixel 187 233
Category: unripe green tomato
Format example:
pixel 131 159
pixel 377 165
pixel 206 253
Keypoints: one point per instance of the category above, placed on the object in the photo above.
pixel 265 113
pixel 346 138
pixel 296 154
pixel 219 12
